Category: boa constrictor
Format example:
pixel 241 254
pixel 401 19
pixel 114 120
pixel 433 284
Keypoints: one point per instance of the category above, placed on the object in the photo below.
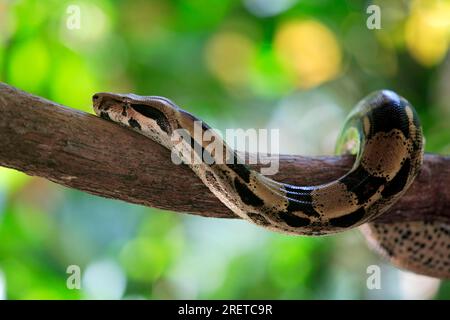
pixel 383 131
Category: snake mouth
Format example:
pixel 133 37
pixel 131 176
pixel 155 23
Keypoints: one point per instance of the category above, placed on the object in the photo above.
pixel 97 103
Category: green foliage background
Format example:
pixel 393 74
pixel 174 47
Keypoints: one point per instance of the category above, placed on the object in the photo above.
pixel 294 65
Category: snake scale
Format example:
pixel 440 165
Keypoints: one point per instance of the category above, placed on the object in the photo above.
pixel 384 133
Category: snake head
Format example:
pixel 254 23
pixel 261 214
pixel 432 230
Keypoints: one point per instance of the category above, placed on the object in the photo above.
pixel 106 105
pixel 148 113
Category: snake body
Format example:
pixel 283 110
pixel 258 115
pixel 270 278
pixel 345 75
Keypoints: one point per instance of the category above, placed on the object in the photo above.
pixel 384 133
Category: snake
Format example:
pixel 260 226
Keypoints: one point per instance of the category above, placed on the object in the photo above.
pixel 382 131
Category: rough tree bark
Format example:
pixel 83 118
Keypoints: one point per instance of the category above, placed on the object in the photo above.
pixel 81 151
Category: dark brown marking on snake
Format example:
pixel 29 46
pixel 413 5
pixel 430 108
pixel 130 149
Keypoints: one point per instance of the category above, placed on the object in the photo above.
pixel 107 104
pixel 389 251
pixel 124 111
pixel 417 140
pixel 201 152
pixel 292 220
pixel 361 183
pixel 154 114
pixel 210 177
pixel 212 180
pixel 387 117
pixel 349 219
pixel 300 200
pixel 247 196
pixel 134 124
pixel 258 218
pixel 306 208
pixel 105 115
pixel 233 158
pixel 398 183
pixel 205 127
pixel 416 119
pixel 241 170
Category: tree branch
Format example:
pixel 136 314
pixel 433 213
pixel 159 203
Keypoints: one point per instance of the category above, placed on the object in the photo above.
pixel 82 151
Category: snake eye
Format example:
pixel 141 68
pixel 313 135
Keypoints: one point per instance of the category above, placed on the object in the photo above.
pixel 96 101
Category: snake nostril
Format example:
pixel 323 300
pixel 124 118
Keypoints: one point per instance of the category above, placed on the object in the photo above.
pixel 95 97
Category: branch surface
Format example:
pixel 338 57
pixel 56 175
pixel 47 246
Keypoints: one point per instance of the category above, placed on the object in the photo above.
pixel 81 151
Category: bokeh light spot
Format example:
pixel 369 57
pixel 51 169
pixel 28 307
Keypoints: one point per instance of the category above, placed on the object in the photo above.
pixel 229 56
pixel 294 275
pixel 94 25
pixel 309 50
pixel 267 8
pixel 12 180
pixel 7 22
pixel 269 77
pixel 427 31
pixel 2 286
pixel 28 66
pixel 198 14
pixel 104 280
pixel 144 260
pixel 76 82
pixel 147 20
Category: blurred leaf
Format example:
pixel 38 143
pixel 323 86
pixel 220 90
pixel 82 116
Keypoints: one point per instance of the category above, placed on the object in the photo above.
pixel 75 82
pixel 12 180
pixel 29 65
pixel 197 14
pixel 30 15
